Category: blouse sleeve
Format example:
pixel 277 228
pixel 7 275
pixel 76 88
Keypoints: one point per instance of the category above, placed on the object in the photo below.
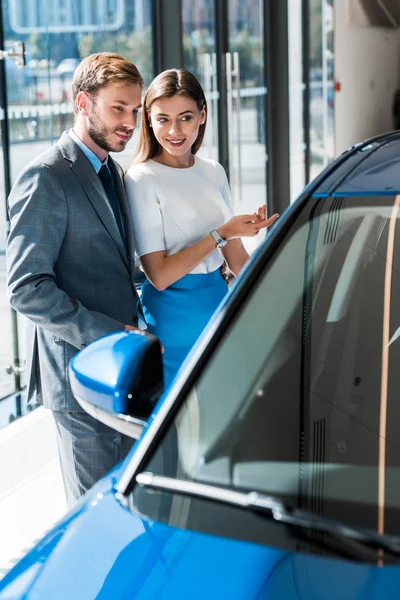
pixel 145 211
pixel 226 191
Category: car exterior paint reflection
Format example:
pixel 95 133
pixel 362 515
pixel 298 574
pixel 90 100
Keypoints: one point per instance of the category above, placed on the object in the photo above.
pixel 103 551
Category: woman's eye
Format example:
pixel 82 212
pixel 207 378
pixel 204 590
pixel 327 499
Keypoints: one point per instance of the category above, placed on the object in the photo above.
pixel 162 120
pixel 186 118
pixel 118 108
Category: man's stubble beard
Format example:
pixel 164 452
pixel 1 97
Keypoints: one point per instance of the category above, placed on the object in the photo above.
pixel 99 133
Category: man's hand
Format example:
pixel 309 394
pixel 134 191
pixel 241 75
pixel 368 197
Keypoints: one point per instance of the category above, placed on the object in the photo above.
pixel 226 273
pixel 132 328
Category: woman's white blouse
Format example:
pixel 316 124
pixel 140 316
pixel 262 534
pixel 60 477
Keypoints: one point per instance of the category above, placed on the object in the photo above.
pixel 175 208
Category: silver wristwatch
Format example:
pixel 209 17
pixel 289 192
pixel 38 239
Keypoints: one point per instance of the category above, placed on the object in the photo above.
pixel 218 239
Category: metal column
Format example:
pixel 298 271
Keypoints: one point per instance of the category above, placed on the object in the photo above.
pixel 278 131
pixel 167 35
pixel 222 47
pixel 306 81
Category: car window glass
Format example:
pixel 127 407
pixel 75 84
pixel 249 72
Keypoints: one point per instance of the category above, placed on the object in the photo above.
pixel 303 388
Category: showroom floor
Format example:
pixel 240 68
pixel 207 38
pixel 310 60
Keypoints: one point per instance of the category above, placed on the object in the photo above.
pixel 31 490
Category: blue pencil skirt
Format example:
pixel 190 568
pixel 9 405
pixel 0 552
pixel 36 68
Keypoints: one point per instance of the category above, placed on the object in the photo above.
pixel 178 315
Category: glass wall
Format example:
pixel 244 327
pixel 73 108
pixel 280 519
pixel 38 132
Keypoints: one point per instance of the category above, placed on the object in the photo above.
pixel 321 74
pixel 311 149
pixel 244 88
pixel 246 118
pixel 296 99
pixel 199 57
pixel 57 35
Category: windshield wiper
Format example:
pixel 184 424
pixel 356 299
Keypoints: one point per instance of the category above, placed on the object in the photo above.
pixel 360 544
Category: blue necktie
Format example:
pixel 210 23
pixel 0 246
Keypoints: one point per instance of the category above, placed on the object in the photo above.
pixel 109 188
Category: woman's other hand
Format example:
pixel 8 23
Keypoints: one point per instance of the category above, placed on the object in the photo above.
pixel 262 211
pixel 246 225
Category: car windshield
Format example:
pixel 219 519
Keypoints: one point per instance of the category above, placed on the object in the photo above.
pixel 300 398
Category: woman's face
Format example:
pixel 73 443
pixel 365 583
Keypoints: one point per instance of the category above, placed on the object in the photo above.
pixel 175 122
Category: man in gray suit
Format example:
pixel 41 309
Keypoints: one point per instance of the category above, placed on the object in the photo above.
pixel 70 258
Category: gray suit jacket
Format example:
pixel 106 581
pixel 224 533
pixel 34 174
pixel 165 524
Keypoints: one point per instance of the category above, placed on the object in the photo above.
pixel 68 270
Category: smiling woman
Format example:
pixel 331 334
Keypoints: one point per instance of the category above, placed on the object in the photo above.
pixel 176 124
pixel 183 219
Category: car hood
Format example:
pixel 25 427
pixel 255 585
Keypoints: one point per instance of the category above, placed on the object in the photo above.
pixel 103 551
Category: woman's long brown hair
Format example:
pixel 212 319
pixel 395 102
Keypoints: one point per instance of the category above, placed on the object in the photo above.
pixel 165 85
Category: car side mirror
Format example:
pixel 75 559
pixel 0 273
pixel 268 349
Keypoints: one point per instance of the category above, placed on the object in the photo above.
pixel 118 379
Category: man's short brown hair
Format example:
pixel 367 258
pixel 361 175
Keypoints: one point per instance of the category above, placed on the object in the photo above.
pixel 99 70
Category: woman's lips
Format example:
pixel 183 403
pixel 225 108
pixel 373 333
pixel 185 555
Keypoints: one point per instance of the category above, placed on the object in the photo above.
pixel 176 143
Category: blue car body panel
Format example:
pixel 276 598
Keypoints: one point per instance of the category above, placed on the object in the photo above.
pixel 103 551
pixel 108 379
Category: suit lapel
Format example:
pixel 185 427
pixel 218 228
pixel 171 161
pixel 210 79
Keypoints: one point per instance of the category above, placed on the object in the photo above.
pixel 93 189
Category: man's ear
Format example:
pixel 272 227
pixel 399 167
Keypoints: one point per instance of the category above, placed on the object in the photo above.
pixel 83 102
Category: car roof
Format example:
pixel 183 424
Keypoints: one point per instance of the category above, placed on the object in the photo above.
pixel 369 168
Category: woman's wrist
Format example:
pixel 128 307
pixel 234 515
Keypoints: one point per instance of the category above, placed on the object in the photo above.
pixel 223 231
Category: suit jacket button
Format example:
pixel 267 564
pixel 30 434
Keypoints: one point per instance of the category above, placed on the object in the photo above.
pixel 83 346
pixel 135 319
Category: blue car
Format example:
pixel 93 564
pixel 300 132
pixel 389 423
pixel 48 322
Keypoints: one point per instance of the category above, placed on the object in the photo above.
pixel 271 468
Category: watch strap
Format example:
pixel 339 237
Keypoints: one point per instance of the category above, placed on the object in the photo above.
pixel 219 241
